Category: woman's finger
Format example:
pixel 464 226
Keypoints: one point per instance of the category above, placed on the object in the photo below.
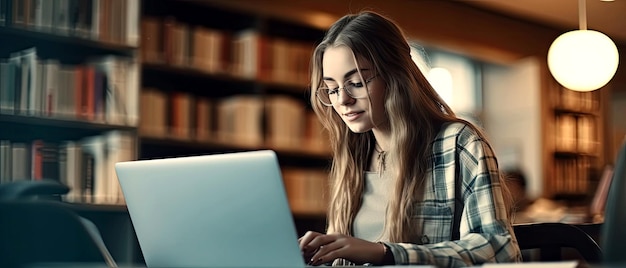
pixel 306 239
pixel 327 253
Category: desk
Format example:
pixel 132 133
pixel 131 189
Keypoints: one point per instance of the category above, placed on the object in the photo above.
pixel 564 264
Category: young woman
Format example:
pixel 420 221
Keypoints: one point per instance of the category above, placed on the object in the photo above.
pixel 411 182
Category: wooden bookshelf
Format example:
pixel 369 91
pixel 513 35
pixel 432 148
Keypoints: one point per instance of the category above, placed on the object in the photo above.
pixel 251 71
pixel 69 82
pixel 262 60
pixel 575 136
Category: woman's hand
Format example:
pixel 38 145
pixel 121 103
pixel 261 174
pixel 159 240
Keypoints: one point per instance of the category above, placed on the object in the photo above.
pixel 320 248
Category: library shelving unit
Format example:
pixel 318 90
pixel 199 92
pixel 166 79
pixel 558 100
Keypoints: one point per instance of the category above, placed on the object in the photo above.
pixel 575 138
pixel 69 103
pixel 219 79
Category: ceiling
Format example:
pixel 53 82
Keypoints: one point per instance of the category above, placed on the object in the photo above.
pixel 608 17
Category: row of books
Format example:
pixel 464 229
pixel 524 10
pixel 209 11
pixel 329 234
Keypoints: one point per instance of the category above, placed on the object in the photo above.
pixel 276 121
pixel 178 115
pixel 102 90
pixel 307 190
pixel 112 21
pixel 86 166
pixel 571 176
pixel 576 134
pixel 576 101
pixel 247 53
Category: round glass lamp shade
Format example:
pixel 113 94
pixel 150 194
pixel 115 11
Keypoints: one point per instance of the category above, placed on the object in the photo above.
pixel 583 60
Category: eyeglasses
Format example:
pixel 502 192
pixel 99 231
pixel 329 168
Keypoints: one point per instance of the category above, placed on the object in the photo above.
pixel 328 96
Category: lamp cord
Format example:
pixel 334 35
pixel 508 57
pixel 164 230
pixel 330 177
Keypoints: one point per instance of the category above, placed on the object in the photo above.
pixel 582 14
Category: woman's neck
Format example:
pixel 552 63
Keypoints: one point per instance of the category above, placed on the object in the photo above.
pixel 383 139
pixel 378 160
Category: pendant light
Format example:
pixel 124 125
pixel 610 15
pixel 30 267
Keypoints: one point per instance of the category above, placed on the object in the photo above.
pixel 583 60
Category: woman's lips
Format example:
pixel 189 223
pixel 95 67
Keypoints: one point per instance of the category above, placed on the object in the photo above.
pixel 351 116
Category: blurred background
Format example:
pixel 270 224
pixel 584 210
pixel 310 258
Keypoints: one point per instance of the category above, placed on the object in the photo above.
pixel 86 84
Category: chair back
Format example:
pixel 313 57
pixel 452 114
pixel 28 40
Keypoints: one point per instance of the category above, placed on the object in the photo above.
pixel 613 232
pixel 43 232
pixel 36 229
pixel 550 239
pixel 29 190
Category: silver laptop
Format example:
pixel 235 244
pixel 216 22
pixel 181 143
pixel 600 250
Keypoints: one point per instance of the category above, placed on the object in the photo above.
pixel 205 211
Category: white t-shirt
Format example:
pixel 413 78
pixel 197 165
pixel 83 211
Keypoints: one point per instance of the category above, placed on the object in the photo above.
pixel 370 219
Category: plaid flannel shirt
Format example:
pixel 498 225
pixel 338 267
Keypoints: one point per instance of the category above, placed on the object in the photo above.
pixel 485 235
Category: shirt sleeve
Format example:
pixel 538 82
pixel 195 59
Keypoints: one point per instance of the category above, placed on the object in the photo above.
pixel 486 234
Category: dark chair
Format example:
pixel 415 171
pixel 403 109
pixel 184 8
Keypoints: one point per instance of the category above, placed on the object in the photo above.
pixel 36 230
pixel 29 190
pixel 551 240
pixel 613 231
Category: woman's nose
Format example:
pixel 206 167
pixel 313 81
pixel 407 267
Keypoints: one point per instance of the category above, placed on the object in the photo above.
pixel 343 97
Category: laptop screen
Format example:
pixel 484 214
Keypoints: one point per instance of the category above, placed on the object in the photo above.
pixel 223 210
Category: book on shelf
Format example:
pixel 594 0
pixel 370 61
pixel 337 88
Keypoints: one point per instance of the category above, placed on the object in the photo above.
pixel 276 121
pixel 576 134
pixel 280 67
pixel 25 80
pixel 40 15
pixel 249 59
pixel 34 160
pixel 181 114
pixel 176 42
pixel 20 161
pixel 248 53
pixel 8 74
pixel 104 89
pixel 566 133
pixel 87 94
pixel 18 11
pixel 203 119
pixel 586 135
pixel 575 101
pixel 169 41
pixel 151 40
pixel 61 16
pixel 571 175
pixel 3 12
pixel 86 166
pixel 72 170
pixel 44 160
pixel 95 147
pixel 118 85
pixel 154 109
pixel 49 80
pixel 301 52
pixel 209 50
pixel 285 124
pixel 120 148
pixel 273 59
pixel 102 20
pixel 307 189
pixel 239 120
pixel 570 99
pixel 5 161
pixel 288 61
pixel 315 137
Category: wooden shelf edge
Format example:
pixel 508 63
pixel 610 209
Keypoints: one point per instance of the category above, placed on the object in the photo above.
pixel 25 32
pixel 189 71
pixel 59 122
pixel 220 145
pixel 99 207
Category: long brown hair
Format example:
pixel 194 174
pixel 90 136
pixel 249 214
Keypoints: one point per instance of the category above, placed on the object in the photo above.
pixel 414 110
